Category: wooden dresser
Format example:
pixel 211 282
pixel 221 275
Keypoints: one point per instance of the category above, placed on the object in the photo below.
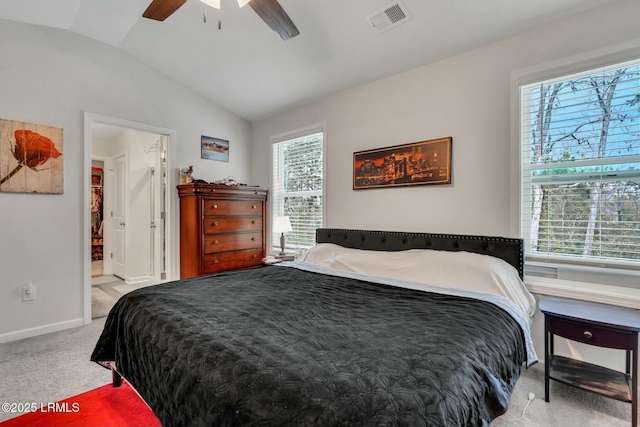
pixel 221 228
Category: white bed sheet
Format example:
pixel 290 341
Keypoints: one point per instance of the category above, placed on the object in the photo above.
pixel 459 270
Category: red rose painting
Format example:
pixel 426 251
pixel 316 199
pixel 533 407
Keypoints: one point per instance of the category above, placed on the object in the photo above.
pixel 28 164
pixel 33 149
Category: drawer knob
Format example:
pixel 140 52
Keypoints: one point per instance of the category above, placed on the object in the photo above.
pixel 215 261
pixel 253 239
pixel 215 206
pixel 588 334
pixel 215 223
pixel 255 256
pixel 253 222
pixel 215 242
pixel 253 207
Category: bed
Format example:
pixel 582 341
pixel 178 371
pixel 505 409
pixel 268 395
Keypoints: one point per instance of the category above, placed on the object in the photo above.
pixel 368 328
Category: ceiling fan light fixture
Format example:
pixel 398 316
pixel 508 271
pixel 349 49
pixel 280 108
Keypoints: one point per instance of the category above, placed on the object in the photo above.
pixel 212 3
pixel 270 11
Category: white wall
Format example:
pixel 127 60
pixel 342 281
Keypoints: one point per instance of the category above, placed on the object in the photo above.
pixel 51 77
pixel 466 97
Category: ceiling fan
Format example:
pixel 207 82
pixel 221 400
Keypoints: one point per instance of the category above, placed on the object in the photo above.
pixel 269 10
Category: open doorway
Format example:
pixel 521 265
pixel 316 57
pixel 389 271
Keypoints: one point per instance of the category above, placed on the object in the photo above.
pixel 128 212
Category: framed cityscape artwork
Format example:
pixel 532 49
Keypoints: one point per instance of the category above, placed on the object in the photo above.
pixel 417 163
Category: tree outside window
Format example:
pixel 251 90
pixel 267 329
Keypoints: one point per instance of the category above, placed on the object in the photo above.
pixel 298 172
pixel 581 165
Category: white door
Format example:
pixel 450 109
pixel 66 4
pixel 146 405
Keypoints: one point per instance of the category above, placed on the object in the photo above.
pixel 162 238
pixel 119 211
pixel 158 186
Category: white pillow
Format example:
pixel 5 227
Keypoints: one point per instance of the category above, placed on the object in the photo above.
pixel 460 270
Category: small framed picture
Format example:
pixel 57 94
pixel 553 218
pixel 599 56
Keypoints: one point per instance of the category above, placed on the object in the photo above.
pixel 214 148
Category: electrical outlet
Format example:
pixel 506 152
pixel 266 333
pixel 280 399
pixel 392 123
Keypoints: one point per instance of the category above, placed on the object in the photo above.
pixel 28 292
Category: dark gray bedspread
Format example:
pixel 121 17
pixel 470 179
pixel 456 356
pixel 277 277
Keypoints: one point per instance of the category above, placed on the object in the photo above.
pixel 283 347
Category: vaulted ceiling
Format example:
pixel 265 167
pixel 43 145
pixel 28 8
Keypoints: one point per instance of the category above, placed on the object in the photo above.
pixel 238 62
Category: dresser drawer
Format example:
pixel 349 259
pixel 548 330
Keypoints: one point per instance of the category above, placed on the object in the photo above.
pixel 232 242
pixel 228 224
pixel 576 330
pixel 232 260
pixel 232 207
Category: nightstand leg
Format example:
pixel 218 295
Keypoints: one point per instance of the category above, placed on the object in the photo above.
pixel 547 359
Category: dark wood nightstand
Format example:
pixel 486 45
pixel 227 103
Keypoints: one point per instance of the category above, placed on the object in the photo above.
pixel 601 325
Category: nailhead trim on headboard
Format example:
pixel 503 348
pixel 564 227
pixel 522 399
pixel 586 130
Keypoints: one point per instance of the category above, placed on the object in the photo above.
pixel 508 249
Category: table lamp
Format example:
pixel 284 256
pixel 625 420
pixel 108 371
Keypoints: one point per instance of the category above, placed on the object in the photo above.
pixel 281 224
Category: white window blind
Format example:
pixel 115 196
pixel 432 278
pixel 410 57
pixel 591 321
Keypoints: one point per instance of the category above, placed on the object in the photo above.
pixel 580 183
pixel 297 187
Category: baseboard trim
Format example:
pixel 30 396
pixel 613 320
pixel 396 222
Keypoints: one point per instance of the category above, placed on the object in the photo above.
pixel 40 330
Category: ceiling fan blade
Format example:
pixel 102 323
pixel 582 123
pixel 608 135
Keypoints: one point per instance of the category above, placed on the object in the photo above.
pixel 162 9
pixel 275 17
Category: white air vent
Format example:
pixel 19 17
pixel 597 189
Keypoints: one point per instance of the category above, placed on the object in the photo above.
pixel 388 17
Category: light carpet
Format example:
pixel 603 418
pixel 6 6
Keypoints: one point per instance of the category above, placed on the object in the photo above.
pixel 55 366
pixel 101 302
pixel 567 406
pixel 107 290
pixel 50 367
pixel 104 295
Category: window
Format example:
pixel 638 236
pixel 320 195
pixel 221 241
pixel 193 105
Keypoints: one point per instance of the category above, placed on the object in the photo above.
pixel 297 187
pixel 580 167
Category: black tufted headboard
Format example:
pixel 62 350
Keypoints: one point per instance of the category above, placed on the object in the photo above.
pixel 505 248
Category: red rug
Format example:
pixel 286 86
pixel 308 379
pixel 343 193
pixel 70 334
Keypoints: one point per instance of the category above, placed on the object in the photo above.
pixel 104 406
